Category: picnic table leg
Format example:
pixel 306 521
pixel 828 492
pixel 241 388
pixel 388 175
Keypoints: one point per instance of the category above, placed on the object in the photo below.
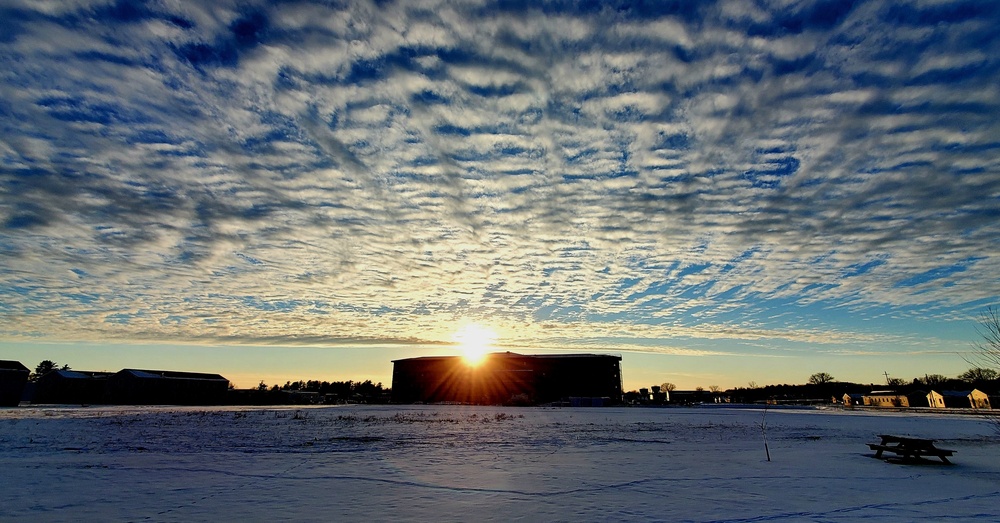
pixel 944 459
pixel 878 453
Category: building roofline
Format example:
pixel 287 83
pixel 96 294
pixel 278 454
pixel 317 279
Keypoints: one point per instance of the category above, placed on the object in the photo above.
pixel 514 354
pixel 79 374
pixel 13 365
pixel 173 374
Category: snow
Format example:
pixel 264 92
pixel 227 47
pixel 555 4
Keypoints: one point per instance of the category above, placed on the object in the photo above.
pixel 461 463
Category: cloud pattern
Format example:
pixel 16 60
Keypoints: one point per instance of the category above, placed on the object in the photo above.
pixel 664 176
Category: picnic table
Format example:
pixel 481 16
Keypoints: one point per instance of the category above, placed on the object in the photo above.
pixel 909 448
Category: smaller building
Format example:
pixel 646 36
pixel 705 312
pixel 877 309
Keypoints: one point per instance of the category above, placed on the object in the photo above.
pixel 958 399
pixel 917 398
pixel 893 399
pixel 935 400
pixel 13 377
pixel 853 400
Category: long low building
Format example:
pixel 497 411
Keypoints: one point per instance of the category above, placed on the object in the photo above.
pixel 72 386
pixel 165 387
pixel 506 378
pixel 131 387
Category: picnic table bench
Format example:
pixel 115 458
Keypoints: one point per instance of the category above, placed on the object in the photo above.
pixel 909 448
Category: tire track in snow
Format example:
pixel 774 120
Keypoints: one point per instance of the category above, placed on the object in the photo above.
pixel 257 479
pixel 991 496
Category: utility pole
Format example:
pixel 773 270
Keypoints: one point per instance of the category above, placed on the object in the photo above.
pixel 886 377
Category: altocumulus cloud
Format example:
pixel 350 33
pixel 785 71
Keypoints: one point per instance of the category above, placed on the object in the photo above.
pixel 625 175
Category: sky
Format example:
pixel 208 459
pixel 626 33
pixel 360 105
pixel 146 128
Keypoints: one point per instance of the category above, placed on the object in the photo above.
pixel 721 192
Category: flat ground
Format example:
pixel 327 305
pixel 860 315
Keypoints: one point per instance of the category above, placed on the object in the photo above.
pixel 452 463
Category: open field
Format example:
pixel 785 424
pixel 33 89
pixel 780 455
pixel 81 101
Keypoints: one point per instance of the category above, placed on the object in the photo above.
pixel 454 463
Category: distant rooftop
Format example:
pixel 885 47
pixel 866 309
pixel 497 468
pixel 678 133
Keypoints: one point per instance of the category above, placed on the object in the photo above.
pixel 12 365
pixel 955 393
pixel 79 374
pixel 159 374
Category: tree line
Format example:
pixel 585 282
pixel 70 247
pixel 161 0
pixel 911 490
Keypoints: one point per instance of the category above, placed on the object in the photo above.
pixel 312 392
pixel 984 375
pixel 343 389
pixel 823 386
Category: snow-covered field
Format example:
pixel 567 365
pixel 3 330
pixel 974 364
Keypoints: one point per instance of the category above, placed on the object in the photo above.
pixel 454 463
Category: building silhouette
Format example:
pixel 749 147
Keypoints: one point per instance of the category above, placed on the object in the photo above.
pixel 13 377
pixel 506 378
pixel 164 387
pixel 71 386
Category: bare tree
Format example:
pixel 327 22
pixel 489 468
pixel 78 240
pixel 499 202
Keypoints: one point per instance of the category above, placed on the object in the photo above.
pixel 987 350
pixel 669 387
pixel 988 347
pixel 931 380
pixel 820 378
pixel 714 389
pixel 978 375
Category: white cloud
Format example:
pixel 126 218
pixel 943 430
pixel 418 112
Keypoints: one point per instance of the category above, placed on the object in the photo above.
pixel 317 174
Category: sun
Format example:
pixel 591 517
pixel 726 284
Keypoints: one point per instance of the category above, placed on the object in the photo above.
pixel 475 341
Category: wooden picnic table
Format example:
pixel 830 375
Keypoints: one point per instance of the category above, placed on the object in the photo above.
pixel 909 448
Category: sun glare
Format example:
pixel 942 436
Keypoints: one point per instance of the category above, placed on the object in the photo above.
pixel 475 341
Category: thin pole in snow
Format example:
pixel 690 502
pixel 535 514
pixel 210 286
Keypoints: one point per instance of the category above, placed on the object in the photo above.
pixel 763 431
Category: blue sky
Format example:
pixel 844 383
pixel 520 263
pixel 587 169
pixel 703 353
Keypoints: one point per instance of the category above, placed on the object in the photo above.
pixel 722 192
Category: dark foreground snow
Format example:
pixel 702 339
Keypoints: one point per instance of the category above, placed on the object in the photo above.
pixel 451 463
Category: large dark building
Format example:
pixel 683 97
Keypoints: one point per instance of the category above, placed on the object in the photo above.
pixel 163 387
pixel 506 378
pixel 72 386
pixel 13 377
